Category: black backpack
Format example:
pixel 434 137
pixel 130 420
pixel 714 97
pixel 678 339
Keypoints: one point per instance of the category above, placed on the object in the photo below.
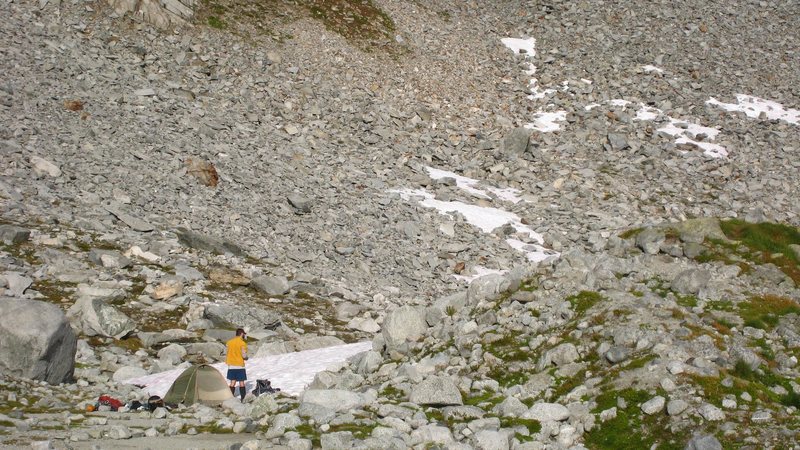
pixel 264 387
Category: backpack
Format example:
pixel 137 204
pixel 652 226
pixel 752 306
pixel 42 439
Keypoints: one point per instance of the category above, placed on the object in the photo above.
pixel 111 402
pixel 264 387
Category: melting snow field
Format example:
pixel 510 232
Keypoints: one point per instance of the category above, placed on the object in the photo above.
pixel 485 218
pixel 754 106
pixel 291 372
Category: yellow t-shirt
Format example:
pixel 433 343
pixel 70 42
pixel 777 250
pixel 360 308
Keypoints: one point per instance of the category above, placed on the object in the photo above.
pixel 237 348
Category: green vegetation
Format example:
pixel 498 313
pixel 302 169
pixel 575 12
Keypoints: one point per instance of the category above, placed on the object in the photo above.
pixel 632 233
pixel 508 348
pixel 393 393
pixel 533 426
pixel 756 243
pixel 765 311
pixel 359 430
pixel 756 382
pixel 361 22
pixel 508 376
pixel 584 300
pixel 687 301
pixel 631 429
pixel 216 22
pixel 483 399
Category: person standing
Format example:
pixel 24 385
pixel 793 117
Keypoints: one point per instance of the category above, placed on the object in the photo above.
pixel 235 358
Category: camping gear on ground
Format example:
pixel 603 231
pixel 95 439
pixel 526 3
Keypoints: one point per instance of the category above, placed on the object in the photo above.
pixel 154 402
pixel 199 384
pixel 264 387
pixel 111 402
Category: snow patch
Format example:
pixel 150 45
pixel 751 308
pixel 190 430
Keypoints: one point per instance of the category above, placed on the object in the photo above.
pixel 754 107
pixel 469 185
pixel 290 372
pixel 650 68
pixel 547 122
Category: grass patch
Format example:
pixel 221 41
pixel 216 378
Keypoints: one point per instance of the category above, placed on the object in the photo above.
pixel 584 300
pixel 483 399
pixel 216 22
pixel 533 426
pixel 508 376
pixel 687 301
pixel 632 233
pixel 508 348
pixel 764 312
pixel 756 243
pixel 57 292
pixel 359 430
pixel 631 429
pixel 361 22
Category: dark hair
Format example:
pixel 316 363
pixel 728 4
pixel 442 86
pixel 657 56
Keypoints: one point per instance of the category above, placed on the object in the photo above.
pixel 240 332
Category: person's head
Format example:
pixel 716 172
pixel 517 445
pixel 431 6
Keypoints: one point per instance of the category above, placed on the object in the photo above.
pixel 240 332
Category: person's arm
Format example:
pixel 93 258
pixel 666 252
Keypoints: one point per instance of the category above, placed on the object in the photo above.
pixel 244 352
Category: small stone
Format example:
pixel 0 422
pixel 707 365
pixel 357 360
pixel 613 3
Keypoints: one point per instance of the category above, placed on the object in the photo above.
pixel 544 412
pixel 729 403
pixel 167 289
pixel 676 406
pixel 711 412
pixel 654 405
pixel 608 414
pixel 617 354
pixel 618 141
pixel 42 166
pixel 703 442
pixel 761 417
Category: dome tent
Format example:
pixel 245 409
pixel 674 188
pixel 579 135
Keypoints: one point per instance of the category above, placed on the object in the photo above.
pixel 199 384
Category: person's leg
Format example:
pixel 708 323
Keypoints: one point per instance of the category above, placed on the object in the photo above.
pixel 242 391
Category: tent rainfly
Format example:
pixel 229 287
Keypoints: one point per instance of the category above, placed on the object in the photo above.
pixel 199 384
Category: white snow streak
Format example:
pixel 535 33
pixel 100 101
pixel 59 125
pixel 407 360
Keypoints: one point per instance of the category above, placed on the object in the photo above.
pixel 754 107
pixel 547 121
pixel 527 47
pixel 291 372
pixel 468 184
pixel 650 68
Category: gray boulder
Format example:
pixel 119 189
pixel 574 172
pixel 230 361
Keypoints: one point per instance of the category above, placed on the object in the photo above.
pixel 12 234
pixel 650 240
pixel 200 241
pixel 335 399
pixel 697 230
pixel 402 324
pixel 436 391
pixel 109 258
pixel 36 341
pixel 271 285
pixel 690 281
pixel 94 317
pixel 253 318
pixel 703 442
pixel 516 141
pixel 301 205
pixel 546 412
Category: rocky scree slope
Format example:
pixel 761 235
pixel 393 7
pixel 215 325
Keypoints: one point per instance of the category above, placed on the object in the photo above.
pixel 118 135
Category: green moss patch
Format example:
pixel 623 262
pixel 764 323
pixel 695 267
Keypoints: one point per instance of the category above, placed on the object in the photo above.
pixel 584 300
pixel 361 22
pixel 631 429
pixel 765 311
pixel 756 243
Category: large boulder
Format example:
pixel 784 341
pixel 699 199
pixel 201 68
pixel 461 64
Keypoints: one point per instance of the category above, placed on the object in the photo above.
pixel 94 317
pixel 436 391
pixel 162 14
pixel 402 324
pixel 336 399
pixel 239 316
pixel 36 341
